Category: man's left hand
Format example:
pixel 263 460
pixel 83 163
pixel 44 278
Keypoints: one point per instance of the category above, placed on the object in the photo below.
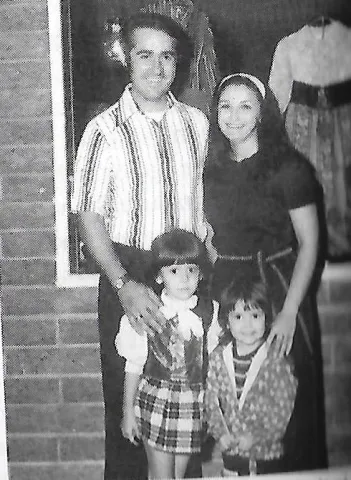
pixel 142 307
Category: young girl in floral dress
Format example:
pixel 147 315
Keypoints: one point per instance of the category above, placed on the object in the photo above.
pixel 250 391
pixel 165 372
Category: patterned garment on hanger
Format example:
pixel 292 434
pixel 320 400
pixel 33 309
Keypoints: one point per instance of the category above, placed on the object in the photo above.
pixel 311 79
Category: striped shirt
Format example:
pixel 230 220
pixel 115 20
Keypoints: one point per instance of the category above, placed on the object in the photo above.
pixel 144 177
pixel 242 364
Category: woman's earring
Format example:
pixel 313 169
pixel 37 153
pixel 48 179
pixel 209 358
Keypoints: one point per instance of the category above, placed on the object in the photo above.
pixel 159 280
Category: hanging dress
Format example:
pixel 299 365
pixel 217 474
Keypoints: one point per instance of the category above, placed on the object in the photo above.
pixel 311 79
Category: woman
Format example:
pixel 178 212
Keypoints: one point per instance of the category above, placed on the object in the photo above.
pixel 261 201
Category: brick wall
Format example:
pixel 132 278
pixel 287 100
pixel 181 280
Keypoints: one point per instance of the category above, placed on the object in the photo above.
pixel 334 302
pixel 53 389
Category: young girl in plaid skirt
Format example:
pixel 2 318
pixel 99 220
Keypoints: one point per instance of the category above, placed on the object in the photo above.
pixel 165 372
pixel 250 391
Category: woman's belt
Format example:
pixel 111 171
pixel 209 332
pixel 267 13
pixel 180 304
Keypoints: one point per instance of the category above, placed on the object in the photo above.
pixel 248 258
pixel 261 258
pixel 323 97
pixel 264 261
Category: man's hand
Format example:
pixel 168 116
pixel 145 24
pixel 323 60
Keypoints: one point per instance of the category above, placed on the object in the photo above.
pixel 129 426
pixel 142 307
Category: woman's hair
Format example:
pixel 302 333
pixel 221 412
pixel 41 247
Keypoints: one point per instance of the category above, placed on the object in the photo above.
pixel 254 295
pixel 159 22
pixel 178 247
pixel 271 131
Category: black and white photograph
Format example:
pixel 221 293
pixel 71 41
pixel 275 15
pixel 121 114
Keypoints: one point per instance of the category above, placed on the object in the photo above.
pixel 175 239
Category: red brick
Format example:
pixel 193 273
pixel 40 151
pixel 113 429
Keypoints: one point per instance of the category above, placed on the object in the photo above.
pixel 32 419
pixel 31 102
pixel 340 291
pixel 78 331
pixel 28 45
pixel 328 351
pixel 80 360
pixel 52 360
pixel 339 449
pixel 26 159
pixel 32 390
pixel 343 352
pixel 32 74
pixel 28 244
pixel 323 295
pixel 23 17
pixel 28 272
pixel 66 418
pixel 28 332
pixel 49 300
pixel 32 449
pixel 32 361
pixel 82 389
pixel 25 132
pixel 82 448
pixel 27 188
pixel 338 460
pixel 21 2
pixel 335 320
pixel 77 418
pixel 58 471
pixel 27 216
pixel 338 394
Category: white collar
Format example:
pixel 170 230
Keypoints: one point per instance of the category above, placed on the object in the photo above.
pixel 130 107
pixel 178 305
pixel 188 321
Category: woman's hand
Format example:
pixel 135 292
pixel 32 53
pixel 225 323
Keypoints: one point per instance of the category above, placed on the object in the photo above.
pixel 129 426
pixel 282 331
pixel 226 442
pixel 141 305
pixel 211 250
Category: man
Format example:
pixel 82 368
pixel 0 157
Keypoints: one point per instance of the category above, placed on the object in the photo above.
pixel 138 173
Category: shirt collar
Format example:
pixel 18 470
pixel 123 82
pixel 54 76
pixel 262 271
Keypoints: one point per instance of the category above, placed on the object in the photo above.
pixel 188 322
pixel 178 305
pixel 131 108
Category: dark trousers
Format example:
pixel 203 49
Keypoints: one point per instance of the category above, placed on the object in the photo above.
pixel 123 461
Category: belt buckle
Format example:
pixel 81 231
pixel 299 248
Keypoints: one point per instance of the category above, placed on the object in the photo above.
pixel 322 101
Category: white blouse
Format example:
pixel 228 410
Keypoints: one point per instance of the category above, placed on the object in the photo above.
pixel 134 347
pixel 317 56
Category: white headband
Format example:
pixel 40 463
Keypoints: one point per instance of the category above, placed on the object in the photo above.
pixel 253 79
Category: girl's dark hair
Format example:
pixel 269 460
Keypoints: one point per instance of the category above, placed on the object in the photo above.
pixel 252 292
pixel 272 136
pixel 178 247
pixel 159 22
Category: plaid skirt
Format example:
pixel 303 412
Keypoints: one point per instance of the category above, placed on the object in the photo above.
pixel 170 414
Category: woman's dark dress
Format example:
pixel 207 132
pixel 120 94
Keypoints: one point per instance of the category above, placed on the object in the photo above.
pixel 247 204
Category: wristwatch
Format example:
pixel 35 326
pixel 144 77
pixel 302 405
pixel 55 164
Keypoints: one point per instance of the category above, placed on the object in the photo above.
pixel 121 281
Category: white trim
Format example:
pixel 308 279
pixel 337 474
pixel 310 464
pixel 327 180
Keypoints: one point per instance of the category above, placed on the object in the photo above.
pixel 63 276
